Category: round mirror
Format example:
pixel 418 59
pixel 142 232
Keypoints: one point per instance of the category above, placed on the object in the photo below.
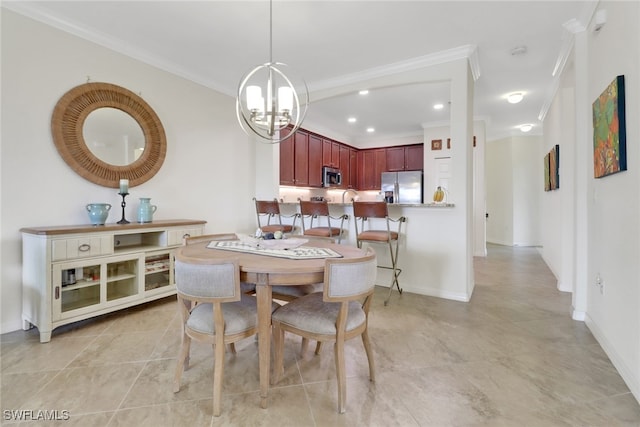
pixel 105 133
pixel 113 136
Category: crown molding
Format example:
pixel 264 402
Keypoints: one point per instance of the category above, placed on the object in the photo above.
pixel 571 28
pixel 425 61
pixel 41 14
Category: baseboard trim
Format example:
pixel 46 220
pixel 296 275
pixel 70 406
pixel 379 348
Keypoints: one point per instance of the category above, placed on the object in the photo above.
pixel 618 363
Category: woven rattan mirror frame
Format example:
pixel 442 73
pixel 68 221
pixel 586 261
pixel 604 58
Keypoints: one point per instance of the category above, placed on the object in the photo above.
pixel 67 124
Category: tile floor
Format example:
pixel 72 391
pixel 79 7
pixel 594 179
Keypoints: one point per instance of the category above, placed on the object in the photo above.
pixel 510 357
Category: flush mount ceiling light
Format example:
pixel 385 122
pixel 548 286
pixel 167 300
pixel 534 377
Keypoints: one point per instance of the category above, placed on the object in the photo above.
pixel 438 106
pixel 352 120
pixel 371 130
pixel 515 97
pixel 364 92
pixel 282 107
pixel 526 128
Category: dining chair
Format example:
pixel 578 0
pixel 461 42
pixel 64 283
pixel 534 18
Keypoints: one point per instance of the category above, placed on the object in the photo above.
pixel 290 293
pixel 222 314
pixel 316 214
pixel 247 288
pixel 339 313
pixel 375 226
pixel 270 219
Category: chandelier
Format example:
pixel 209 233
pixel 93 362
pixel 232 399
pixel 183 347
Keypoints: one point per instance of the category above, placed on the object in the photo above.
pixel 280 107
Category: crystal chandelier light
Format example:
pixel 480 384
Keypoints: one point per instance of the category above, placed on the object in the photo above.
pixel 280 106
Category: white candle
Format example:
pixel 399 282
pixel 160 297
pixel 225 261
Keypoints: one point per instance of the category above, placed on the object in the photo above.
pixel 124 186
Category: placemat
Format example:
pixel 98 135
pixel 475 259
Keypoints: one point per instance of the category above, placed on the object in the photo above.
pixel 301 252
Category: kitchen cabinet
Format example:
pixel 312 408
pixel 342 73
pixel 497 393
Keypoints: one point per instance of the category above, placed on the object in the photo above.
pixel 315 161
pixel 294 160
pixel 287 160
pixel 405 158
pixel 330 153
pixel 371 164
pixel 353 168
pixel 72 273
pixel 345 164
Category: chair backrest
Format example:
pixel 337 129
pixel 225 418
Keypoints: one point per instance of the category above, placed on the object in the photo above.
pixel 207 280
pixel 351 278
pixel 269 209
pixel 314 210
pixel 317 208
pixel 370 210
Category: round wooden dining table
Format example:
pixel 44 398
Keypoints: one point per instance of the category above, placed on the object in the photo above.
pixel 266 271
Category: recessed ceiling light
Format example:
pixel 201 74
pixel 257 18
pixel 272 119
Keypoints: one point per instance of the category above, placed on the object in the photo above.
pixel 438 106
pixel 515 97
pixel 364 91
pixel 370 130
pixel 526 128
pixel 351 120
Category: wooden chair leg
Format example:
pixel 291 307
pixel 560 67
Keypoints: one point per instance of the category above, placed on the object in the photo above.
pixel 182 363
pixel 232 348
pixel 367 349
pixel 341 374
pixel 304 346
pixel 278 353
pixel 218 373
pixel 318 347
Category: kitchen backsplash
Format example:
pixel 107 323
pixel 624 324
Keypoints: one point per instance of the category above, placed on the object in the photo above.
pixel 292 194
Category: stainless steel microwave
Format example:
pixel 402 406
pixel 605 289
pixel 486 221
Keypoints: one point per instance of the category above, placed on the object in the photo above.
pixel 331 177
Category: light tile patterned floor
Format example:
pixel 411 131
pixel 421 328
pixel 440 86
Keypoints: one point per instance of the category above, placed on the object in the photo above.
pixel 511 357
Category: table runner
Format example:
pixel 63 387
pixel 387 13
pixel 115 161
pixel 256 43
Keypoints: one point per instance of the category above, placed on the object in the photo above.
pixel 302 252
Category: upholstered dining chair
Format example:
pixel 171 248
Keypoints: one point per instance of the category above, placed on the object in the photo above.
pixel 316 214
pixel 222 313
pixel 373 225
pixel 245 287
pixel 270 219
pixel 339 313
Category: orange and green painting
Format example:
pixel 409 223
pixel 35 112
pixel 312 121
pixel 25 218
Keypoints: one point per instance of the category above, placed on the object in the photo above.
pixel 609 140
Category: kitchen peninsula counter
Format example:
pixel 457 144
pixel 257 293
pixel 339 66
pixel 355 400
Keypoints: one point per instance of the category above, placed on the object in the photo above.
pixel 428 253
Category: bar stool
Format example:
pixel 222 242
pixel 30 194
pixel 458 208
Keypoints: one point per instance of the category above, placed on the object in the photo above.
pixel 270 210
pixel 371 215
pixel 316 211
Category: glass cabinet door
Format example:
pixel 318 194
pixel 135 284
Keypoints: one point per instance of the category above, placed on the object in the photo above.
pixel 76 288
pixel 158 271
pixel 122 279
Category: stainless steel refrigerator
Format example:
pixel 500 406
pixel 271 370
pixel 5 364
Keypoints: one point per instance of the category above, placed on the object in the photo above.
pixel 402 187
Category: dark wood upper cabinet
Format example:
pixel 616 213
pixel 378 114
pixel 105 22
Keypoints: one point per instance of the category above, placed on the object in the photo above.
pixel 353 168
pixel 301 155
pixel 287 164
pixel 405 158
pixel 395 159
pixel 315 161
pixel 345 165
pixel 414 157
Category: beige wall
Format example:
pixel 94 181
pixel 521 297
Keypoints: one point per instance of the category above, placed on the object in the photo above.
pixel 603 212
pixel 209 171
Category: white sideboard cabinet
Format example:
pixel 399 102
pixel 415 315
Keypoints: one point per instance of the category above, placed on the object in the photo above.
pixel 71 273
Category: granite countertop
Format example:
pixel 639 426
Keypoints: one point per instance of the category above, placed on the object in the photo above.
pixel 403 205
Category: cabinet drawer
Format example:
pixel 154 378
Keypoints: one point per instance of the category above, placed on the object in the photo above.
pixel 82 247
pixel 177 236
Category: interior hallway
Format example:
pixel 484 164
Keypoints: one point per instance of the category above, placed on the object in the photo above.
pixel 511 357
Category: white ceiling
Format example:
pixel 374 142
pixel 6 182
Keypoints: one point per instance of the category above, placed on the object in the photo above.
pixel 332 42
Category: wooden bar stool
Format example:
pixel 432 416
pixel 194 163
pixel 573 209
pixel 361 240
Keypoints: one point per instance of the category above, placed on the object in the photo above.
pixel 317 213
pixel 269 210
pixel 376 227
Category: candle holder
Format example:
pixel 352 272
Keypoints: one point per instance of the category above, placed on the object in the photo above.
pixel 123 204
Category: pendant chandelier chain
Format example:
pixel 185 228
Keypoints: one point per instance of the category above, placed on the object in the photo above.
pixel 270 31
